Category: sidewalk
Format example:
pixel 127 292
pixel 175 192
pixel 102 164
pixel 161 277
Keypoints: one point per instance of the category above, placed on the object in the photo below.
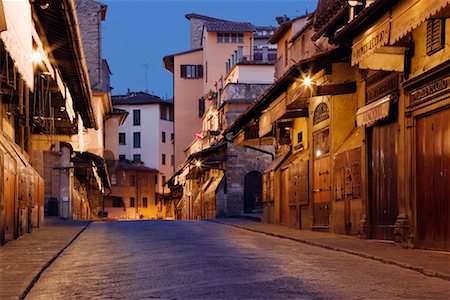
pixel 430 263
pixel 22 261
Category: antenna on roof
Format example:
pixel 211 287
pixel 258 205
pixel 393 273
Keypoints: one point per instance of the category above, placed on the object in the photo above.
pixel 146 77
pixel 306 9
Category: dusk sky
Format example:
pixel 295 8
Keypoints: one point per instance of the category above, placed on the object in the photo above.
pixel 139 33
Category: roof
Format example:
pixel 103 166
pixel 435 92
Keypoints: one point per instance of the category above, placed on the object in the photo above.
pixel 59 24
pixel 227 26
pixel 284 27
pixel 124 165
pixel 301 31
pixel 168 60
pixel 267 29
pixel 139 98
pixel 328 12
pixel 203 17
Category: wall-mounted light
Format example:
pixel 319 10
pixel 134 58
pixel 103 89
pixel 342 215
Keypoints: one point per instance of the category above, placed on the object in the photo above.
pixel 43 4
pixel 37 57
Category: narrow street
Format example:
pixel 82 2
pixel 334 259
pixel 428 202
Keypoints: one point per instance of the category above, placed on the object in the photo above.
pixel 190 259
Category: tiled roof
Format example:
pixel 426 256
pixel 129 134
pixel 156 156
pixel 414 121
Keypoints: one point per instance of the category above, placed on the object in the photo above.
pixel 229 27
pixel 139 98
pixel 326 11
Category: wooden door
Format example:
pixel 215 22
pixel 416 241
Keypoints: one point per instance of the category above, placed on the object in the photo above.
pixel 433 180
pixel 322 191
pixel 10 204
pixel 298 190
pixel 284 201
pixel 383 206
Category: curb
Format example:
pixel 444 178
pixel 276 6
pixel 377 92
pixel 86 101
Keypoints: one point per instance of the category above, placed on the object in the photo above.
pixel 49 263
pixel 421 270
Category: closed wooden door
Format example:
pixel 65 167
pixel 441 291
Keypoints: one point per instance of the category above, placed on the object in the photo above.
pixel 10 204
pixel 433 180
pixel 383 206
pixel 284 197
pixel 322 191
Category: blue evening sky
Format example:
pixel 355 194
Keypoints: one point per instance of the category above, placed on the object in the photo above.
pixel 137 34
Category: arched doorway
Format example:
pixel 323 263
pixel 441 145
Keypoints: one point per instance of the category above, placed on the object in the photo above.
pixel 52 207
pixel 252 191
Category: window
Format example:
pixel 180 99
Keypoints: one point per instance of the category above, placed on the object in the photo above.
pixel 132 202
pixel 163 112
pixel 132 180
pixel 145 180
pixel 145 202
pixel 122 138
pixel 233 37
pixel 435 35
pixel 163 137
pixel 219 37
pixel 117 202
pixel 122 157
pixel 163 180
pixel 136 117
pixel 137 157
pixel 226 37
pixel 191 71
pixel 240 37
pixel 163 159
pixel 170 113
pixel 113 179
pixel 172 137
pixel 286 49
pixel 136 140
pixel 172 160
pixel 156 179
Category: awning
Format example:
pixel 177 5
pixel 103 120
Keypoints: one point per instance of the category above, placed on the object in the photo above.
pixel 276 163
pixel 214 184
pixel 371 113
pixel 265 124
pixel 293 158
pixel 17 37
pixel 97 164
pixel 409 14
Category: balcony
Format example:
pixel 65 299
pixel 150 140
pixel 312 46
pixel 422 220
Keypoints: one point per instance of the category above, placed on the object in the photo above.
pixel 258 55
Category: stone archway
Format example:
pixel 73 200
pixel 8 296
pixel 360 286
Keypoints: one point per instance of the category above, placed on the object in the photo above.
pixel 52 207
pixel 252 191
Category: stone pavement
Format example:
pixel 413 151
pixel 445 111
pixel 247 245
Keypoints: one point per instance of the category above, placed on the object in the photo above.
pixel 430 263
pixel 22 261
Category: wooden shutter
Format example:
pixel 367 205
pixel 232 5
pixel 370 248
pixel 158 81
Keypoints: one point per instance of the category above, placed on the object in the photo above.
pixel 435 35
pixel 201 107
pixel 199 71
pixel 183 71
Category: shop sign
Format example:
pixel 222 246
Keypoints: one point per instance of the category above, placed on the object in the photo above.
pixel 431 89
pixel 382 88
pixel 376 37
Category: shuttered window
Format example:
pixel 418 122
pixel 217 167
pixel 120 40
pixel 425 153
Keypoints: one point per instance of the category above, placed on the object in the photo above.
pixel 191 71
pixel 435 35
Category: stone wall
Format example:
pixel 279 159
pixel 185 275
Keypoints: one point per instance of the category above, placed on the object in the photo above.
pixel 89 20
pixel 241 161
pixel 196 29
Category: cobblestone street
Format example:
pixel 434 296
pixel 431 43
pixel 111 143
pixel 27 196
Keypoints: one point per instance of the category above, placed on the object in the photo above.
pixel 180 260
